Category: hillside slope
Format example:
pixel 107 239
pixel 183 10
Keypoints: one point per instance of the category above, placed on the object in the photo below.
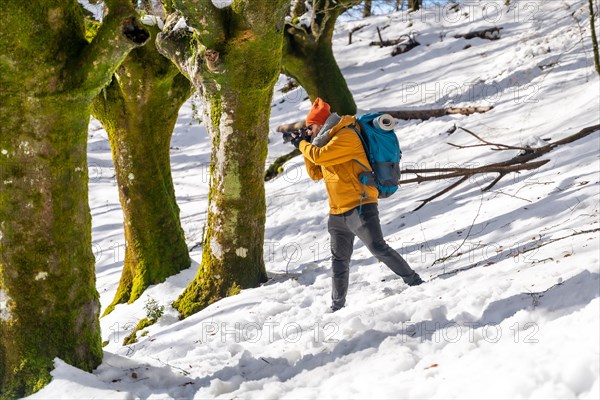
pixel 514 312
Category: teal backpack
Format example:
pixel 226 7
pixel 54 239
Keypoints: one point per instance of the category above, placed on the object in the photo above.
pixel 383 152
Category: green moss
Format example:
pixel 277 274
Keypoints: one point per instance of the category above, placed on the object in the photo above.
pixel 239 98
pixel 234 290
pixel 30 378
pixel 132 337
pixel 311 62
pixel 276 168
pixel 46 262
pixel 139 111
pixel 91 28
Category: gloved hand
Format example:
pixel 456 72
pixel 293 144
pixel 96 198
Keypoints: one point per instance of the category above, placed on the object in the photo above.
pixel 296 141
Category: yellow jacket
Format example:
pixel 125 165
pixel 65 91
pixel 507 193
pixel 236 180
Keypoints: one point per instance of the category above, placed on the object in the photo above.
pixel 336 164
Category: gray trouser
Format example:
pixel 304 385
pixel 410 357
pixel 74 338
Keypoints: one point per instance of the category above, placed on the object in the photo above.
pixel 343 228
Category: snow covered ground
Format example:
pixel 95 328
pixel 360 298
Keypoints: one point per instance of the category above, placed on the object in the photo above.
pixel 499 319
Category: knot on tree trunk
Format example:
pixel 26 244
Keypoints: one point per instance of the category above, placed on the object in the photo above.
pixel 134 32
pixel 212 60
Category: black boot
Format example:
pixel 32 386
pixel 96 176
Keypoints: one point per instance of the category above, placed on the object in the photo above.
pixel 414 280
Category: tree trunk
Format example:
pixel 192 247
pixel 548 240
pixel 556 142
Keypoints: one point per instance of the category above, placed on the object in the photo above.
pixel 234 67
pixel 314 67
pixel 308 57
pixel 139 110
pixel 298 7
pixel 414 5
pixel 595 50
pixel 367 8
pixel 49 75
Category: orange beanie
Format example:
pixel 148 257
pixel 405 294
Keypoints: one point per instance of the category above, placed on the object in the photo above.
pixel 319 113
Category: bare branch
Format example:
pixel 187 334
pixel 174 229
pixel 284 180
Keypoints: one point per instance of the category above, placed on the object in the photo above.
pixel 478 263
pixel 436 113
pixel 179 46
pixel 517 163
pixel 441 192
pixel 456 172
pixel 405 114
pixel 489 33
pixel 498 145
pixel 443 259
pixel 119 33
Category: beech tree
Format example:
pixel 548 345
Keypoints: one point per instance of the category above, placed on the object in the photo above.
pixel 308 53
pixel 139 110
pixel 367 8
pixel 49 75
pixel 593 16
pixel 414 5
pixel 232 55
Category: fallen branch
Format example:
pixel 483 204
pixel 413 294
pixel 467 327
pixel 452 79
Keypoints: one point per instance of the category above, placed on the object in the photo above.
pixel 276 168
pixel 443 259
pixel 499 146
pixel 489 33
pixel 447 173
pixel 355 29
pixel 520 162
pixel 185 372
pixel 404 47
pixel 560 238
pixel 294 126
pixel 479 263
pixel 406 115
pixel 436 113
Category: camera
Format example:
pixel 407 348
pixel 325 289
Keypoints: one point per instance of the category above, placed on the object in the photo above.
pixel 302 132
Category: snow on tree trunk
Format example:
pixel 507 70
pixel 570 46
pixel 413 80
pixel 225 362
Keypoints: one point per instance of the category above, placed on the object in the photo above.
pixel 233 60
pixel 139 110
pixel 49 75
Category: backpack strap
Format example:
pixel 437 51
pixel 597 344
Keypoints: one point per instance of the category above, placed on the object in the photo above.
pixel 364 177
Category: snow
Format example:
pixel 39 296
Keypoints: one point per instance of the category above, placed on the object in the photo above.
pixel 4 312
pixel 153 20
pixel 181 24
pixel 97 10
pixel 222 3
pixel 502 318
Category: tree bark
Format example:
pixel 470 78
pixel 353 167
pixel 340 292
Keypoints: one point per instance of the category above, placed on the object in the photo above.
pixel 298 7
pixel 593 15
pixel 139 110
pixel 49 75
pixel 414 5
pixel 367 8
pixel 234 61
pixel 308 57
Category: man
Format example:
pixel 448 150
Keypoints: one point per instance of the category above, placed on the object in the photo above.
pixel 334 153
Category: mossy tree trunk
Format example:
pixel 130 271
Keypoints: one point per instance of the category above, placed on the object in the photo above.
pixel 49 76
pixel 233 57
pixel 308 56
pixel 139 110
